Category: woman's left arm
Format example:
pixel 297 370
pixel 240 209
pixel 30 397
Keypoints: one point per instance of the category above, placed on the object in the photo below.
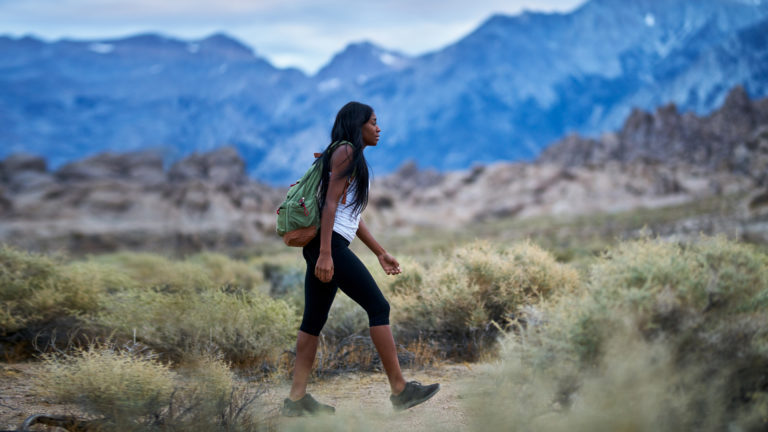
pixel 387 261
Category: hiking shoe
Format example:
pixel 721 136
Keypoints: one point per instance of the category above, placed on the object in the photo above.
pixel 413 394
pixel 305 406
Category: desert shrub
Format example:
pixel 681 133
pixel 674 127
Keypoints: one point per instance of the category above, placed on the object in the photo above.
pixel 105 381
pixel 35 289
pixel 465 297
pixel 665 336
pixel 157 271
pixel 283 276
pixel 209 397
pixel 100 277
pixel 225 271
pixel 196 273
pixel 129 389
pixel 345 318
pixel 712 294
pixel 246 327
pixel 638 386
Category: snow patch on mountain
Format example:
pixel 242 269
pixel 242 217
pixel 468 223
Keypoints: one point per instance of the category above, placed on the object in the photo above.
pixel 101 48
pixel 329 85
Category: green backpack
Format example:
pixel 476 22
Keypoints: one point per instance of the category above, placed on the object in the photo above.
pixel 298 217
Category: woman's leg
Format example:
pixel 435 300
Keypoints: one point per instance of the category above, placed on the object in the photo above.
pixel 356 282
pixel 381 336
pixel 318 297
pixel 306 348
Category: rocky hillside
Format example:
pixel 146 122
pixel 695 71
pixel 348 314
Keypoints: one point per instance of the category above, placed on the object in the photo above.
pixel 115 201
pixel 655 160
pixel 207 201
pixel 732 139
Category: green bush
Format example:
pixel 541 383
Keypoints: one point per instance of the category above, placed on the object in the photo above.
pixel 665 336
pixel 156 271
pixel 225 271
pixel 465 297
pixel 198 272
pixel 246 327
pixel 105 381
pixel 35 289
pixel 700 293
pixel 131 390
pixel 283 276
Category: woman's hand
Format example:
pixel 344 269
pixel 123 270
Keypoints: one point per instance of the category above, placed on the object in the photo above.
pixel 389 264
pixel 324 268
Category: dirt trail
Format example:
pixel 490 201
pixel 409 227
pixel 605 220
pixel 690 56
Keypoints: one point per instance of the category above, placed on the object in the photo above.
pixel 361 400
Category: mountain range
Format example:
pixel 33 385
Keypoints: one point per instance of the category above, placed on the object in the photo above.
pixel 503 92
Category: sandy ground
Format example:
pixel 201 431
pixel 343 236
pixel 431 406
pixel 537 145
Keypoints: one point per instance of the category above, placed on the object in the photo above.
pixel 361 401
pixel 17 399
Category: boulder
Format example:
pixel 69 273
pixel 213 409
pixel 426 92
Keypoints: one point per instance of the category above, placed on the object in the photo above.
pixel 24 172
pixel 221 166
pixel 25 181
pixel 143 167
pixel 21 162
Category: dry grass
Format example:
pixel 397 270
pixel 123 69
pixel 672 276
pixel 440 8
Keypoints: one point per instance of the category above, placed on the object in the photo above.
pixel 195 273
pixel 650 335
pixel 178 307
pixel 108 382
pixel 665 337
pixel 250 329
pixel 35 289
pixel 464 298
pixel 129 389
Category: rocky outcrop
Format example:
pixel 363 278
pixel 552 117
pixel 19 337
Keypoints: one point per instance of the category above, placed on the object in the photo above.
pixel 127 201
pixel 143 167
pixel 521 190
pixel 731 139
pixel 655 160
pixel 21 172
pixel 221 166
pixel 206 201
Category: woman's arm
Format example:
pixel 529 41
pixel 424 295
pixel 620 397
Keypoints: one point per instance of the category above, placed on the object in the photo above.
pixel 340 160
pixel 387 261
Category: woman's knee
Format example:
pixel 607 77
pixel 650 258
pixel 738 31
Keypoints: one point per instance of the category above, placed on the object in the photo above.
pixel 313 323
pixel 379 315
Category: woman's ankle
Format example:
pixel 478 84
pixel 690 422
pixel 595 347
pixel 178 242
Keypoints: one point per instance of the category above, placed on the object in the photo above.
pixel 397 387
pixel 296 396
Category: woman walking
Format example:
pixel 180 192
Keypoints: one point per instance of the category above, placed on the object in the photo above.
pixel 331 264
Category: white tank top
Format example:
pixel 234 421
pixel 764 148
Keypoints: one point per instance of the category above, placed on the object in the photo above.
pixel 347 220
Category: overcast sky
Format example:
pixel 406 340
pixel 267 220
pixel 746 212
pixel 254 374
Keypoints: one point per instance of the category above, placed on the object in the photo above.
pixel 300 33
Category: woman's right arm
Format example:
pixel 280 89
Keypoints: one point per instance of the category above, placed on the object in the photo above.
pixel 340 161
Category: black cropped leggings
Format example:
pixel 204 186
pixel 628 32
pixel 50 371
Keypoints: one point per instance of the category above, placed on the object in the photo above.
pixel 350 275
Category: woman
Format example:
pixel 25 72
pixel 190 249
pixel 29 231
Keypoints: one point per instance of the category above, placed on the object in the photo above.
pixel 331 265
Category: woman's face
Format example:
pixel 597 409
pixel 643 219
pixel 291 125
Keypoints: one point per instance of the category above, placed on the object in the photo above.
pixel 371 131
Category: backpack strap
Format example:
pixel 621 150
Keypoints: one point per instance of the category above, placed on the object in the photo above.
pixel 332 147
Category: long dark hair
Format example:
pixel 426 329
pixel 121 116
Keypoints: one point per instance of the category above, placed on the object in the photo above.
pixel 348 127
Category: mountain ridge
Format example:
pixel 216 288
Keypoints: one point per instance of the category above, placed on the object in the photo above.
pixel 503 92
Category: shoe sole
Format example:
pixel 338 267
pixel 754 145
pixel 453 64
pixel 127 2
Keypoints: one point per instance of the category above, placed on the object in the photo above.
pixel 287 413
pixel 415 402
pixel 304 413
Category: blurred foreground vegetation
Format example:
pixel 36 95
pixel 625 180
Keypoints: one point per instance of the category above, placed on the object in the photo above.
pixel 644 334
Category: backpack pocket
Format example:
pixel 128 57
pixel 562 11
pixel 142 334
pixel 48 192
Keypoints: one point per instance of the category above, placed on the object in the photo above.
pixel 297 221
